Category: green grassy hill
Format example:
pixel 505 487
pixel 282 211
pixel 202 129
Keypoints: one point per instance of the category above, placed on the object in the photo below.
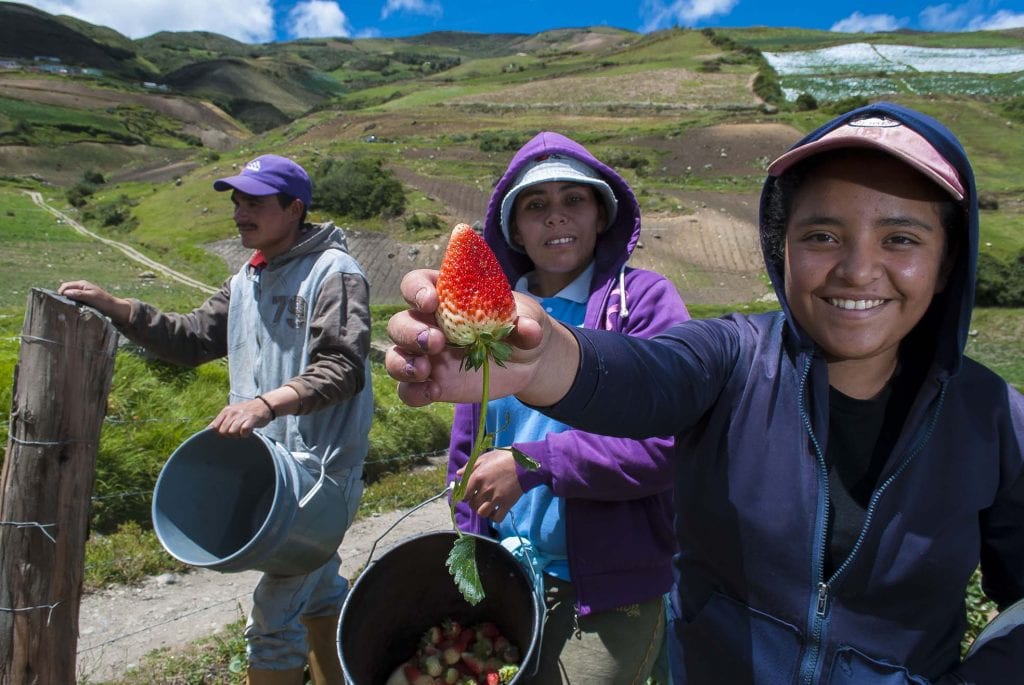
pixel 26 32
pixel 690 116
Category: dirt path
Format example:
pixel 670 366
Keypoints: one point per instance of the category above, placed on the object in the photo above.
pixel 119 626
pixel 128 250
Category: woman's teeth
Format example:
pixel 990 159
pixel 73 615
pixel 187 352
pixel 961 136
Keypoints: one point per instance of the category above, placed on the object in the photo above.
pixel 855 304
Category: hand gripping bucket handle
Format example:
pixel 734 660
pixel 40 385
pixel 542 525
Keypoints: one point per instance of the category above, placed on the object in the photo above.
pixel 237 504
pixel 398 596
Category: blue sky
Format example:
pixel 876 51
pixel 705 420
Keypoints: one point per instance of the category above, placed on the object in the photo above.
pixel 259 21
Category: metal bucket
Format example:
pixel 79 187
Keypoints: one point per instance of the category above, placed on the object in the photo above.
pixel 409 589
pixel 240 504
pixel 1006 620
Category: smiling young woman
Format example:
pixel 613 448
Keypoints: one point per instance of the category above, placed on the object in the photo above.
pixel 865 254
pixel 841 466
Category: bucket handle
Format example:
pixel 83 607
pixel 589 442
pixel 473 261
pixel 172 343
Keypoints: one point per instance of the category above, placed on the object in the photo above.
pixel 316 486
pixel 525 558
pixel 448 489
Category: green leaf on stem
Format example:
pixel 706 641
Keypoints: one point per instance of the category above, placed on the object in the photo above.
pixel 462 565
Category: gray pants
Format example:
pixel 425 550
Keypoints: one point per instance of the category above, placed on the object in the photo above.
pixel 275 636
pixel 613 647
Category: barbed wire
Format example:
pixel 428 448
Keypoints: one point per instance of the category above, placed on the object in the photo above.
pixel 122 420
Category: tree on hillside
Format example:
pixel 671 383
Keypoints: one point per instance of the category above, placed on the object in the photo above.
pixel 359 188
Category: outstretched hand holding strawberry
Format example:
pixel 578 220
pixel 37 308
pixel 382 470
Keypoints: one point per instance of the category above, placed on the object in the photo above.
pixel 429 369
pixel 476 313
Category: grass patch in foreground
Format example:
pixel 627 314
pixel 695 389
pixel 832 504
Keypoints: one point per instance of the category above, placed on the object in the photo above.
pixel 126 556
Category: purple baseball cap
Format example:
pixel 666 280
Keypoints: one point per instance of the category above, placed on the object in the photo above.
pixel 887 135
pixel 270 175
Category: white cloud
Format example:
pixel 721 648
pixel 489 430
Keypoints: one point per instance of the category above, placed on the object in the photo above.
pixel 868 23
pixel 659 15
pixel 944 17
pixel 429 8
pixel 250 21
pixel 1003 19
pixel 969 16
pixel 316 19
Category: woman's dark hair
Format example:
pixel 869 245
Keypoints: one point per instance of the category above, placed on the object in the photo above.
pixel 778 202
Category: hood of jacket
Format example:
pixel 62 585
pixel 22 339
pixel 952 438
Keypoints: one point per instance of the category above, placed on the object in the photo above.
pixel 614 246
pixel 947 322
pixel 315 238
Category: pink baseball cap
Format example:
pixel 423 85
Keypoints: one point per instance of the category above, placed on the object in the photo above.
pixel 889 136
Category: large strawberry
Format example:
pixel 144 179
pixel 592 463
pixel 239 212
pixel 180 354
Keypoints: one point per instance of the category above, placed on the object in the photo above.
pixel 476 311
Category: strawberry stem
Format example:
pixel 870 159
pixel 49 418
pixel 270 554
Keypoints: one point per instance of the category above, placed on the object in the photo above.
pixel 478 445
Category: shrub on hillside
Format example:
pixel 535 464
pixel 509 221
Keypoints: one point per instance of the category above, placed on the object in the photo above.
pixel 1014 108
pixel 19 133
pixel 837 107
pixel 424 222
pixel 988 202
pixel 358 188
pixel 502 141
pixel 767 87
pixel 620 159
pixel 115 214
pixel 78 194
pixel 1000 283
pixel 94 177
pixel 806 102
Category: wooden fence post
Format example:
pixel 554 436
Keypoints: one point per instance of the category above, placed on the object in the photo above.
pixel 65 367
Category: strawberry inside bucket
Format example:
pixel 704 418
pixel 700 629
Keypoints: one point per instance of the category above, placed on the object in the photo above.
pixel 409 589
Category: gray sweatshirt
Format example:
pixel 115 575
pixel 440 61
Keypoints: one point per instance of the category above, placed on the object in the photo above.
pixel 303 320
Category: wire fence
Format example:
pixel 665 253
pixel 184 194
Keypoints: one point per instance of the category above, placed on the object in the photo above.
pixel 47 530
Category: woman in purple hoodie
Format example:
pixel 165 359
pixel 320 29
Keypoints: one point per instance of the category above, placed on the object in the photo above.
pixel 842 467
pixel 596 516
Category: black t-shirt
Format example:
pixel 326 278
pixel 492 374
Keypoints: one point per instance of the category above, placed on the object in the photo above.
pixel 861 437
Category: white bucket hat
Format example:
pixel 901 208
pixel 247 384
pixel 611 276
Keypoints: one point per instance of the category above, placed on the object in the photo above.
pixel 555 168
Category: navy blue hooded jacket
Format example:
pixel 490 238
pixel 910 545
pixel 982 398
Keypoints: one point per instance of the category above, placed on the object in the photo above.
pixel 748 400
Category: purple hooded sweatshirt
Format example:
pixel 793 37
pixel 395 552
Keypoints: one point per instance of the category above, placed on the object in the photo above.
pixel 618 502
pixel 748 400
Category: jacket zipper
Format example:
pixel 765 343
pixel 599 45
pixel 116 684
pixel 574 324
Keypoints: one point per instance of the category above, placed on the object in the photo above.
pixel 817 615
pixel 818 610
